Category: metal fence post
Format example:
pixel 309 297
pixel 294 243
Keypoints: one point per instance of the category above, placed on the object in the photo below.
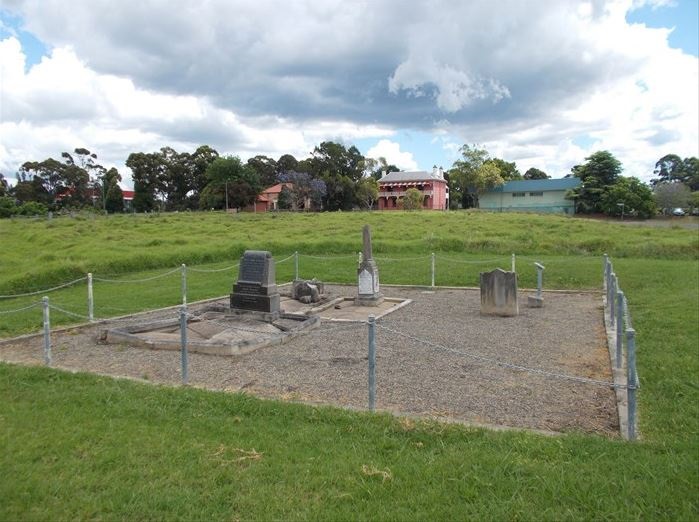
pixel 372 363
pixel 90 299
pixel 513 262
pixel 612 294
pixel 539 278
pixel 183 340
pixel 605 271
pixel 619 326
pixel 47 331
pixel 184 284
pixel 631 380
pixel 296 265
pixel 432 269
pixel 609 286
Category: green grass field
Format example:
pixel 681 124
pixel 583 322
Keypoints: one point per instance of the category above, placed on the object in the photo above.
pixel 87 447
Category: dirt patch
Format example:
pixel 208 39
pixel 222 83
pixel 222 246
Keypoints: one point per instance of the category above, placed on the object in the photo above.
pixel 435 358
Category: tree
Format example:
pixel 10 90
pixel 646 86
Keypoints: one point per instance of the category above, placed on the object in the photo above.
pixel 145 169
pixel 694 199
pixel 412 199
pixel 229 174
pixel 673 168
pixel 690 168
pixel 114 196
pixel 340 192
pixel 534 173
pixel 472 175
pixel 3 186
pixel 304 190
pixel 597 175
pixel 377 167
pixel 333 159
pixel 46 179
pixel 287 163
pixel 266 168
pixel 199 161
pixel 668 168
pixel 669 195
pixel 284 202
pixel 368 192
pixel 636 197
pixel 508 170
pixel 30 188
pixel 8 206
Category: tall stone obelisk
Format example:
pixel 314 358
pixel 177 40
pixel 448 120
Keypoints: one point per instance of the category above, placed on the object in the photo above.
pixel 368 275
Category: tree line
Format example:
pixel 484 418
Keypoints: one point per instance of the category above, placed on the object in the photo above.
pixel 333 177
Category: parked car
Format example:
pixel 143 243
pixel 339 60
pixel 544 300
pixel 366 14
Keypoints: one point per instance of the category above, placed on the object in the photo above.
pixel 678 212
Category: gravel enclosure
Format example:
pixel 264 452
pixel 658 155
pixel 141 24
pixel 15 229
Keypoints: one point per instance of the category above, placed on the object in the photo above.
pixel 329 365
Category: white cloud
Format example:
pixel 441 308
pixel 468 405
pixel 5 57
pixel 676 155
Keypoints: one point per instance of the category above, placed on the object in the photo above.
pixel 60 104
pixel 525 79
pixel 390 150
pixel 454 88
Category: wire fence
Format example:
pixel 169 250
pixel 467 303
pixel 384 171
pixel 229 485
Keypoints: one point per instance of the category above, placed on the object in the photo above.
pixel 95 297
pixel 176 284
pixel 622 337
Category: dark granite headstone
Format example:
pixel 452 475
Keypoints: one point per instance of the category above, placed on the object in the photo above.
pixel 499 293
pixel 256 289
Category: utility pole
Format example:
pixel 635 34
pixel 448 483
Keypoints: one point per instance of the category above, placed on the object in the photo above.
pixel 226 196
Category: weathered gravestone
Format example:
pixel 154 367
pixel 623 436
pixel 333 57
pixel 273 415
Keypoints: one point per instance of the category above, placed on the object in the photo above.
pixel 368 293
pixel 256 289
pixel 307 292
pixel 499 293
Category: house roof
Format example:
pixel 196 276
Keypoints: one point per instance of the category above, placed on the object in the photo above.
pixel 538 185
pixel 276 189
pixel 418 175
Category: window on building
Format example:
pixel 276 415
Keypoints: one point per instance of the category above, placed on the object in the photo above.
pixel 518 194
pixel 536 193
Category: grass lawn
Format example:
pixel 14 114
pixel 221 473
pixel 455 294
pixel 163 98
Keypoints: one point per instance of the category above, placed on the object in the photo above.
pixel 82 446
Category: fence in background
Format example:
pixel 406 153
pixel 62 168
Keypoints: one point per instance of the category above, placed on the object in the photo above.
pixel 423 271
pixel 616 314
pixel 618 318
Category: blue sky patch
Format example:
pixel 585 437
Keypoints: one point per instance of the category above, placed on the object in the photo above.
pixel 33 48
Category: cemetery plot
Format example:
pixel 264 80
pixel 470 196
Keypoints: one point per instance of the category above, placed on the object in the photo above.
pixel 436 357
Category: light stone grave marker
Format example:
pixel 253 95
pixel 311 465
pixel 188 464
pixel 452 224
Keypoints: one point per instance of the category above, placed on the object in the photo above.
pixel 499 293
pixel 368 290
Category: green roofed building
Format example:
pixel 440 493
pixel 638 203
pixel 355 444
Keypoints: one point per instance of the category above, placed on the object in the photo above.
pixel 533 195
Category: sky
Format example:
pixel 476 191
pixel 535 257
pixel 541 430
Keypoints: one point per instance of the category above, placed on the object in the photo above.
pixel 543 83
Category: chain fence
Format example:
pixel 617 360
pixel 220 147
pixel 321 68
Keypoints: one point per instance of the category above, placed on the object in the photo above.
pixel 622 338
pixel 152 290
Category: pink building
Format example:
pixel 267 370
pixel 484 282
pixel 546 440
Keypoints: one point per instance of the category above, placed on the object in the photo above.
pixel 432 185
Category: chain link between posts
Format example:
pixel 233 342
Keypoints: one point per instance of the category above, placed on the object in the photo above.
pixel 490 360
pixel 38 292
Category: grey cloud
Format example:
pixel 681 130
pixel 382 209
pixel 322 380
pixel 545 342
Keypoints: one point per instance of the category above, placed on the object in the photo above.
pixel 366 62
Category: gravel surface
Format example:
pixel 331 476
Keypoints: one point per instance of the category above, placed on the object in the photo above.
pixel 423 370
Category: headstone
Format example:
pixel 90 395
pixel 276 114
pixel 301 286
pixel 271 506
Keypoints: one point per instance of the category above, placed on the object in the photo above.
pixel 499 293
pixel 368 292
pixel 256 289
pixel 307 292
